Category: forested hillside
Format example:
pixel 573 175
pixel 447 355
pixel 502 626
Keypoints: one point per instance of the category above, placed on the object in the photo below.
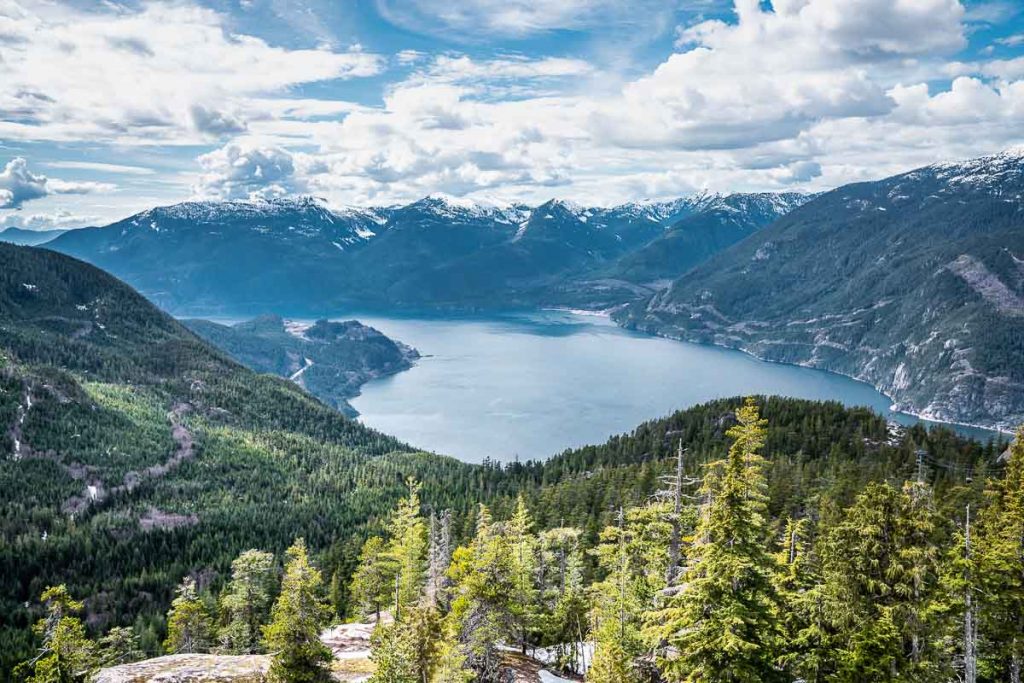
pixel 793 548
pixel 914 284
pixel 134 452
pixel 136 456
pixel 330 360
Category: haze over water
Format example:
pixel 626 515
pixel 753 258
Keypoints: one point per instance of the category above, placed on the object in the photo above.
pixel 532 385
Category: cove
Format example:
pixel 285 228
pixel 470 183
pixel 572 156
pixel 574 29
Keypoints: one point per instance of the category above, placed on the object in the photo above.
pixel 530 385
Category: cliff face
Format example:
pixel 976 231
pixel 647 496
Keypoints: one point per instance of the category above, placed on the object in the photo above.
pixel 914 284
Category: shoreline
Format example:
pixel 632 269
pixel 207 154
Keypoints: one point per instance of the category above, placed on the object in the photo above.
pixel 893 405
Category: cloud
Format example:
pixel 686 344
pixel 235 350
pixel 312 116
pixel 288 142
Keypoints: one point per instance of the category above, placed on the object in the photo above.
pixel 19 185
pixel 1015 40
pixel 101 167
pixel 59 218
pixel 773 74
pixel 237 171
pixel 166 73
pixel 469 19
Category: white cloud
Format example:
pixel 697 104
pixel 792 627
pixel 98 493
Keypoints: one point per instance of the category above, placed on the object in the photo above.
pixel 19 185
pixel 169 73
pixel 1015 40
pixel 102 167
pixel 471 18
pixel 772 74
pixel 244 172
pixel 745 105
pixel 57 219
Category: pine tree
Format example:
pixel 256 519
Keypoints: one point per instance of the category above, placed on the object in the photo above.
pixel 483 585
pixel 611 663
pixel 723 624
pixel 299 614
pixel 408 547
pixel 374 579
pixel 245 603
pixel 880 566
pixel 189 626
pixel 119 646
pixel 1001 568
pixel 66 654
pixel 524 548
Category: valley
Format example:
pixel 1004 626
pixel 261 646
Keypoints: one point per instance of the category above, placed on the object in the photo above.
pixel 912 283
pixel 553 380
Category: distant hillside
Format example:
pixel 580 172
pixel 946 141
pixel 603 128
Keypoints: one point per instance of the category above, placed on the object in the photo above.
pixel 29 238
pixel 331 360
pixel 301 257
pixel 132 452
pixel 697 237
pixel 914 284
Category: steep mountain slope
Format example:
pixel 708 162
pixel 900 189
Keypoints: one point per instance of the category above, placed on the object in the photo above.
pixel 331 360
pixel 718 224
pixel 299 256
pixel 914 284
pixel 242 253
pixel 132 452
pixel 29 238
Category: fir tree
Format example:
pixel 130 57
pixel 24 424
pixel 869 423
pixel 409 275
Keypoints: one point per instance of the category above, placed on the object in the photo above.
pixel 66 654
pixel 483 585
pixel 633 554
pixel 189 626
pixel 408 547
pixel 245 603
pixel 293 635
pixel 373 581
pixel 524 597
pixel 1001 568
pixel 723 625
pixel 119 646
pixel 564 595
pixel 880 569
pixel 393 655
pixel 611 663
pixel 439 557
pixel 807 649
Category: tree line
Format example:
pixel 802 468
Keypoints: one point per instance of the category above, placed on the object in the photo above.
pixel 707 578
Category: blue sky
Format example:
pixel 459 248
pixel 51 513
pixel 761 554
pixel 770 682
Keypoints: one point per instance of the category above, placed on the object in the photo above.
pixel 111 107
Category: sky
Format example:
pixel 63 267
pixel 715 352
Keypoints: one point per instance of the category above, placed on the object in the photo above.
pixel 108 108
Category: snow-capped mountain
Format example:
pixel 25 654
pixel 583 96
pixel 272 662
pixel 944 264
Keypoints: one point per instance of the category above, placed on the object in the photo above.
pixel 437 251
pixel 914 283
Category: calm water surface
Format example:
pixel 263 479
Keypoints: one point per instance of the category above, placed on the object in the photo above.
pixel 532 385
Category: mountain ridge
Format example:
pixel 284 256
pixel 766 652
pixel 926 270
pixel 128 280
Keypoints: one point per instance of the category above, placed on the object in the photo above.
pixel 198 258
pixel 913 283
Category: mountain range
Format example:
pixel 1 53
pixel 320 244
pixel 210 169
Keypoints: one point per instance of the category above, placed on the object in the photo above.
pixel 914 284
pixel 29 238
pixel 436 253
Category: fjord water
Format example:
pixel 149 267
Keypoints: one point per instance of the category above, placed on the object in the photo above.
pixel 531 385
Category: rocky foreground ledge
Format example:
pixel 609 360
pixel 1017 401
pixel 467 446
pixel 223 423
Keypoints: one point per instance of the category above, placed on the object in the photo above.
pixel 181 668
pixel 349 643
